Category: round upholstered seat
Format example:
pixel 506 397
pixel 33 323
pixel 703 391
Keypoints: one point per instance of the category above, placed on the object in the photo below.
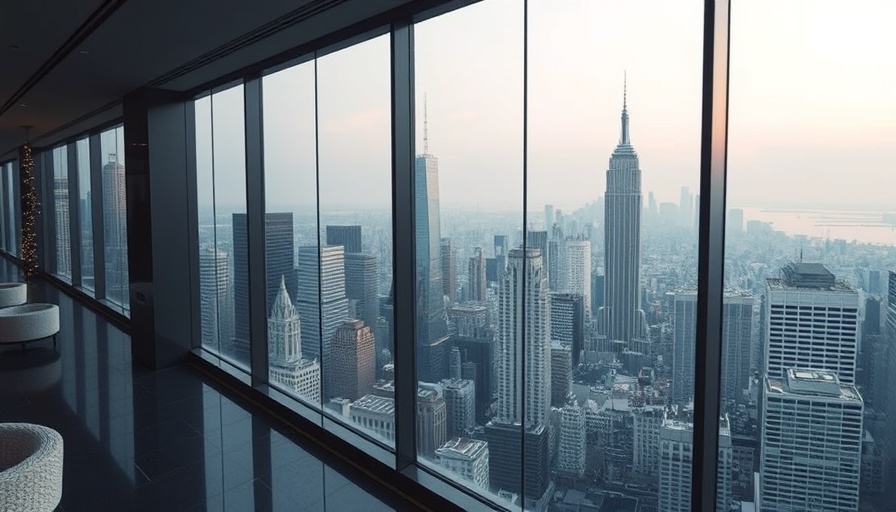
pixel 30 468
pixel 13 294
pixel 28 322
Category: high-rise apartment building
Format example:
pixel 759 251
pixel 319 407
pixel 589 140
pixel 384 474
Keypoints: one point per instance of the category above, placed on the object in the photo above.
pixel 448 256
pixel 646 423
pixel 812 321
pixel 287 367
pixel 676 452
pixel 477 283
pixel 351 365
pixel 467 458
pixel 568 323
pixel 469 320
pixel 322 310
pixel 578 270
pixel 811 442
pixel 571 459
pixel 349 237
pixel 115 227
pixel 524 287
pixel 622 318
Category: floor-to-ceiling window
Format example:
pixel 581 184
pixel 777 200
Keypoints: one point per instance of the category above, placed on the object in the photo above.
pixel 59 188
pixel 223 236
pixel 810 246
pixel 114 202
pixel 82 147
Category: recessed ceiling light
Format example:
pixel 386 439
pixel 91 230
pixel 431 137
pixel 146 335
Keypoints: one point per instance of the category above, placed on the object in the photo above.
pixel 84 52
pixel 14 47
pixel 23 105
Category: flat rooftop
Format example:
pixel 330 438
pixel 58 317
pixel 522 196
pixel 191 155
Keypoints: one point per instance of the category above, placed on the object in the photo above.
pixel 374 404
pixel 800 275
pixel 810 382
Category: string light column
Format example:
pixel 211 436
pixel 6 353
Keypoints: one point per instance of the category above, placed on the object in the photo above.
pixel 30 210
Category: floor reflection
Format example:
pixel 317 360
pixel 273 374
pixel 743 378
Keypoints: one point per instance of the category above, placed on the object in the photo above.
pixel 167 440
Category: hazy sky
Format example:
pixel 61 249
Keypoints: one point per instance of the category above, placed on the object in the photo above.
pixel 812 107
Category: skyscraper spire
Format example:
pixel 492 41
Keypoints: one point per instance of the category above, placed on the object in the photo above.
pixel 624 136
pixel 425 128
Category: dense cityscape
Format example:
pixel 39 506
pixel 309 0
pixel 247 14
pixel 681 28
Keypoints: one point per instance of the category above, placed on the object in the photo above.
pixel 598 387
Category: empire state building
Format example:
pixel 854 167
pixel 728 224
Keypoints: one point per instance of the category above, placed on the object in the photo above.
pixel 622 319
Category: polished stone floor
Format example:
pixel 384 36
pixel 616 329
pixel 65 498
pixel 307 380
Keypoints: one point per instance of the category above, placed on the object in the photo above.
pixel 167 440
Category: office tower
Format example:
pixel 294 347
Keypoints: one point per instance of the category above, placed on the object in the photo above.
pixel 432 419
pixel 286 365
pixel 735 220
pixel 684 339
pixel 360 289
pixel 571 460
pixel 375 414
pixel 646 423
pixel 871 323
pixel 568 323
pixel 651 204
pixel 454 364
pixel 891 308
pixel 348 237
pixel 279 252
pixel 598 287
pixel 524 287
pixel 676 443
pixel 469 320
pixel 686 207
pixel 737 330
pixel 811 442
pixel 578 270
pixel 538 240
pixel 115 227
pixel 467 458
pixel 737 334
pixel 561 373
pixel 812 322
pixel 874 282
pixel 322 310
pixel 216 301
pixel 63 235
pixel 548 217
pixel 505 460
pixel 449 269
pixel 460 405
pixel 477 283
pixel 621 318
pixel 479 356
pixel 431 320
pixel 351 366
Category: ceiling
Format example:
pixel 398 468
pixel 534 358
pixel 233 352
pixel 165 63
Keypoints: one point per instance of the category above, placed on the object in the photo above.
pixel 67 64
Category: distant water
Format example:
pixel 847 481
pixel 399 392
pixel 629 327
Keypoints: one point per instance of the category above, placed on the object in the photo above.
pixel 863 227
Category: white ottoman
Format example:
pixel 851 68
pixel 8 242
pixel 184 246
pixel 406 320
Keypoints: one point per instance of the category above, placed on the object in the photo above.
pixel 13 294
pixel 29 322
pixel 30 468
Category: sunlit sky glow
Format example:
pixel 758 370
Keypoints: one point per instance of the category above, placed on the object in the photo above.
pixel 812 107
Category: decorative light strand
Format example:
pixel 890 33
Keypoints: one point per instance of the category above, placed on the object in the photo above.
pixel 30 210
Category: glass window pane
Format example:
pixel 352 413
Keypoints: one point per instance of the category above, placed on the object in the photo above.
pixel 354 260
pixel 290 161
pixel 84 202
pixel 4 208
pixel 811 238
pixel 61 217
pixel 469 188
pixel 223 236
pixel 115 232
